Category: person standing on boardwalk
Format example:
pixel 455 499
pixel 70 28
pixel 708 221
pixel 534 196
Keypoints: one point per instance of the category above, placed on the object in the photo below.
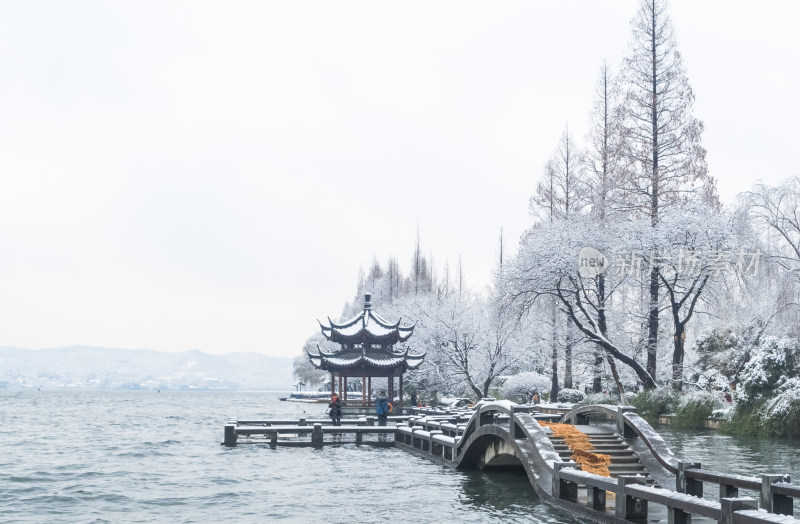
pixel 335 410
pixel 382 407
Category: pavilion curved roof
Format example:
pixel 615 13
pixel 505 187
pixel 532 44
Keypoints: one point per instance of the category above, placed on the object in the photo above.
pixel 365 358
pixel 366 342
pixel 367 327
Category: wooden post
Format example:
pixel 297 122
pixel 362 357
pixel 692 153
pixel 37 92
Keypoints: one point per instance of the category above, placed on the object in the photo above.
pixel 344 391
pixel 622 428
pixel 596 498
pixel 683 484
pixel 230 435
pixel 629 507
pixel 773 502
pixel 369 389
pixel 364 391
pixel 728 506
pixel 333 384
pixel 316 434
pixel 340 388
pixel 564 489
pixel 677 516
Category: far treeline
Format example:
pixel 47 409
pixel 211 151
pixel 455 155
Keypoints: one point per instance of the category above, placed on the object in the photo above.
pixel 634 284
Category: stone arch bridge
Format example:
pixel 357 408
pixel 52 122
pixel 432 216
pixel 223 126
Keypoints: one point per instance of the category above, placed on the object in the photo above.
pixel 646 483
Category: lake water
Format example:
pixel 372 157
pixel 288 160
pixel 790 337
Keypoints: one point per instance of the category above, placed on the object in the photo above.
pixel 147 456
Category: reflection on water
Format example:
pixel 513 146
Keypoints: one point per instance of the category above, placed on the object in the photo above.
pixel 507 494
pixel 504 492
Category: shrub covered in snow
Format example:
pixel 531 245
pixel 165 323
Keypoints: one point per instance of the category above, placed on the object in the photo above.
pixel 522 386
pixel 694 408
pixel 773 363
pixel 768 402
pixel 783 411
pixel 599 398
pixel 652 403
pixel 719 355
pixel 570 395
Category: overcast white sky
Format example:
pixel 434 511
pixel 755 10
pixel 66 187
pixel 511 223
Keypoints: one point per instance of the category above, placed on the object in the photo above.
pixel 211 175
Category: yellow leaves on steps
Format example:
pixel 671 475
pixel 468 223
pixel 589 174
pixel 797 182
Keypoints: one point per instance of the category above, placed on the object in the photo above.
pixel 580 446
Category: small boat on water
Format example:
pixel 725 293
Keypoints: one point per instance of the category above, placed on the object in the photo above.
pixel 309 397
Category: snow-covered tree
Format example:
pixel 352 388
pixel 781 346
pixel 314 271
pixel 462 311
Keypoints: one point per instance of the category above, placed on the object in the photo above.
pixel 662 136
pixel 562 192
pixel 546 268
pixel 696 249
pixel 604 169
pixel 471 340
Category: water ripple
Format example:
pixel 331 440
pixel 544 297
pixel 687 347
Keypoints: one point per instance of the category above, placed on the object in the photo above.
pixel 133 456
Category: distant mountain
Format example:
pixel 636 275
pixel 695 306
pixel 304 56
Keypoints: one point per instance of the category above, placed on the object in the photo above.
pixel 109 368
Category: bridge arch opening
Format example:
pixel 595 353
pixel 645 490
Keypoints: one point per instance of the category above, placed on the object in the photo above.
pixel 492 452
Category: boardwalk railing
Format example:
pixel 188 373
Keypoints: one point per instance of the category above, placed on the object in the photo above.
pixel 498 430
pixel 632 497
pixel 272 429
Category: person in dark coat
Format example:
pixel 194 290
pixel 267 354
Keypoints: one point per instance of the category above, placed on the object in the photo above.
pixel 414 400
pixel 335 410
pixel 382 407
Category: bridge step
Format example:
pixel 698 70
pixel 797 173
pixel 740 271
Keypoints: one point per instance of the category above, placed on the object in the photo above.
pixel 625 467
pixel 623 460
pixel 621 452
pixel 605 441
pixel 609 450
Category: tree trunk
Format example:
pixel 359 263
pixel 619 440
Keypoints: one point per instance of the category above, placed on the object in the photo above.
pixel 597 381
pixel 615 374
pixel 554 384
pixel 652 318
pixel 568 355
pixel 677 358
pixel 652 324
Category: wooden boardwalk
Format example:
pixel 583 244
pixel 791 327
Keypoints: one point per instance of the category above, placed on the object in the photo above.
pixel 645 475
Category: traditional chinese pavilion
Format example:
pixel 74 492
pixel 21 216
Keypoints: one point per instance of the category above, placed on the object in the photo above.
pixel 367 350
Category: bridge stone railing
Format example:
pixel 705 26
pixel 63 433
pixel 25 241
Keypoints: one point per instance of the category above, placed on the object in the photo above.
pixel 632 498
pixel 776 493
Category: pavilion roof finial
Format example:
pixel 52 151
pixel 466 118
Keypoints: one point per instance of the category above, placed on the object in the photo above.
pixel 367 303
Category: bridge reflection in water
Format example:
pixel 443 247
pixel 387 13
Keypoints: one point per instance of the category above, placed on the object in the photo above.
pixel 647 482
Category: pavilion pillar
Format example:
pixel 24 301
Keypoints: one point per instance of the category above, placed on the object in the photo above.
pixel 391 387
pixel 369 387
pixel 333 384
pixel 340 388
pixel 400 386
pixel 363 391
